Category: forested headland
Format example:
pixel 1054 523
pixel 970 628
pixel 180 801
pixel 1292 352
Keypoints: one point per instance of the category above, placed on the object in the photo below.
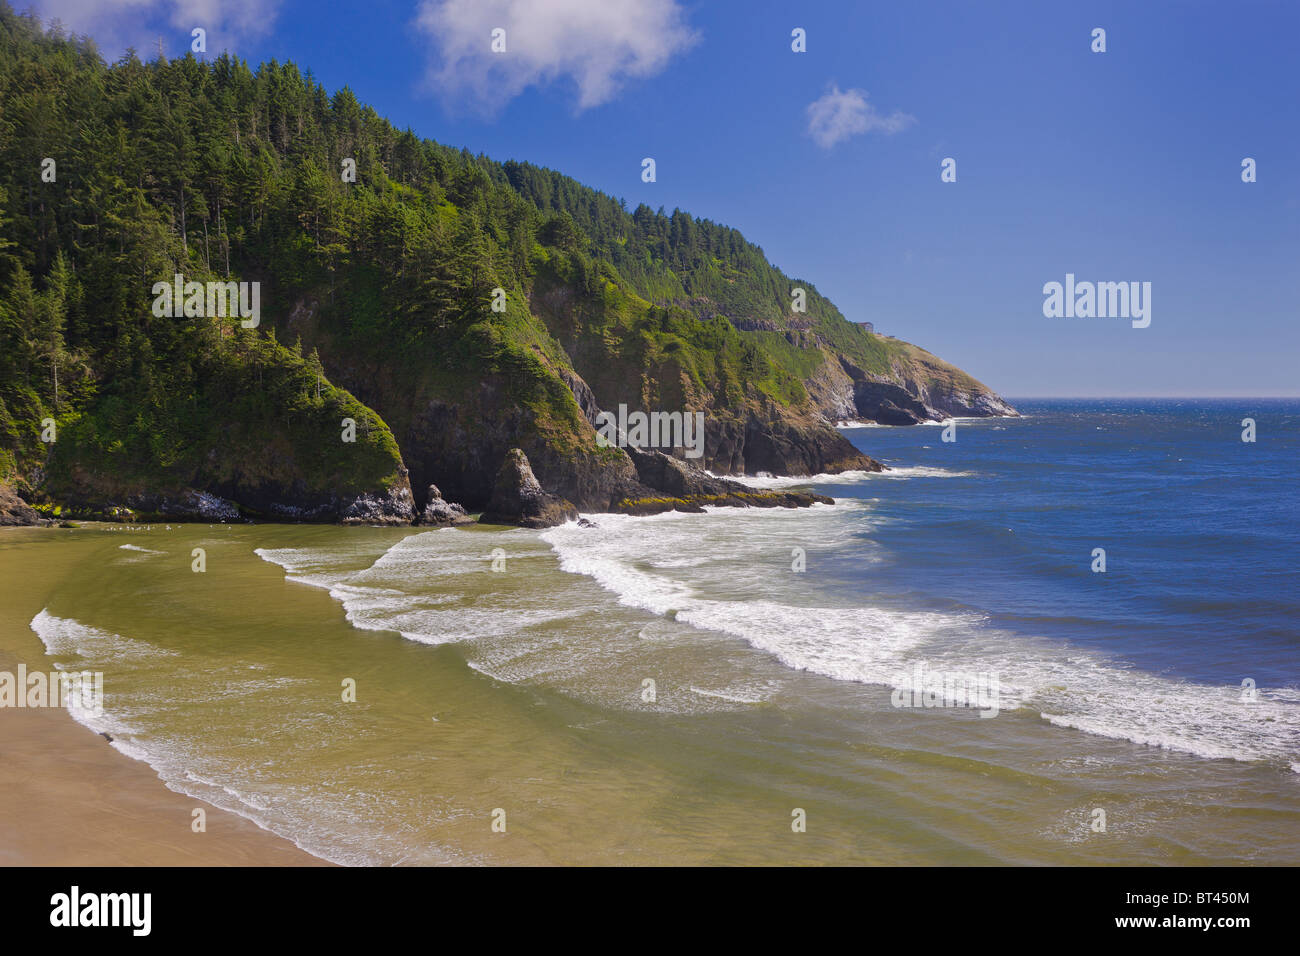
pixel 377 296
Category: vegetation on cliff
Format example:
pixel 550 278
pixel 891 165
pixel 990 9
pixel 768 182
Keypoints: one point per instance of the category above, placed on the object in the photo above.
pixel 384 285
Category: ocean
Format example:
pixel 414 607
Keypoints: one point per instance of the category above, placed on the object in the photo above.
pixel 726 687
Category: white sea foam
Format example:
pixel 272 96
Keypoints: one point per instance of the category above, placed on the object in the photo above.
pixel 730 574
pixel 878 645
pixel 921 471
pixel 736 697
pixel 528 624
pixel 847 477
pixel 971 420
pixel 851 423
pixel 132 547
pixel 315 821
pixel 64 637
pixel 392 594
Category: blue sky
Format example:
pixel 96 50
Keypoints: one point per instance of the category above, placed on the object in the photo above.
pixel 1115 166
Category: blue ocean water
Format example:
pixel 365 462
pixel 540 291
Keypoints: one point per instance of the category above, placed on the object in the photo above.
pixel 1201 530
pixel 772 677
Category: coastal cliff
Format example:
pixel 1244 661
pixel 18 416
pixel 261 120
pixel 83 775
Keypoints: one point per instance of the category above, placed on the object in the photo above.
pixel 417 325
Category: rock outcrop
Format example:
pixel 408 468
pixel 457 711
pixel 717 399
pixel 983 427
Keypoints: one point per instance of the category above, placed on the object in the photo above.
pixel 518 498
pixel 441 513
pixel 671 484
pixel 392 508
pixel 696 504
pixel 15 511
pixel 781 445
pixel 917 387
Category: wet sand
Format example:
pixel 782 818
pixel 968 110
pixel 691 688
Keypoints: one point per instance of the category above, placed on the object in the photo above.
pixel 68 798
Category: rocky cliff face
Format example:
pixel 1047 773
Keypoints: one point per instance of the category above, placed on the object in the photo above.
pixel 746 430
pixel 916 387
pixel 455 430
pixel 378 506
pixel 15 511
pixel 517 435
pixel 477 315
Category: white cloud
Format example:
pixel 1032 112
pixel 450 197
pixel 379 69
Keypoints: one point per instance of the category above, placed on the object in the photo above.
pixel 596 44
pixel 839 114
pixel 115 25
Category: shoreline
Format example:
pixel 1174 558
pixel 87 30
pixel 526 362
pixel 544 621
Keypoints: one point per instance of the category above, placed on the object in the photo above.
pixel 747 496
pixel 850 424
pixel 72 799
pixel 459 729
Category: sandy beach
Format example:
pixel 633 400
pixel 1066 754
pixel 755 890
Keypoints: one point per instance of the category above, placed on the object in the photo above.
pixel 382 697
pixel 68 798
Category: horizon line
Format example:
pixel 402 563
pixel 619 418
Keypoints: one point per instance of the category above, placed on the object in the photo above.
pixel 1011 397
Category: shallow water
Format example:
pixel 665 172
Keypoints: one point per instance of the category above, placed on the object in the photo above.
pixel 524 689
